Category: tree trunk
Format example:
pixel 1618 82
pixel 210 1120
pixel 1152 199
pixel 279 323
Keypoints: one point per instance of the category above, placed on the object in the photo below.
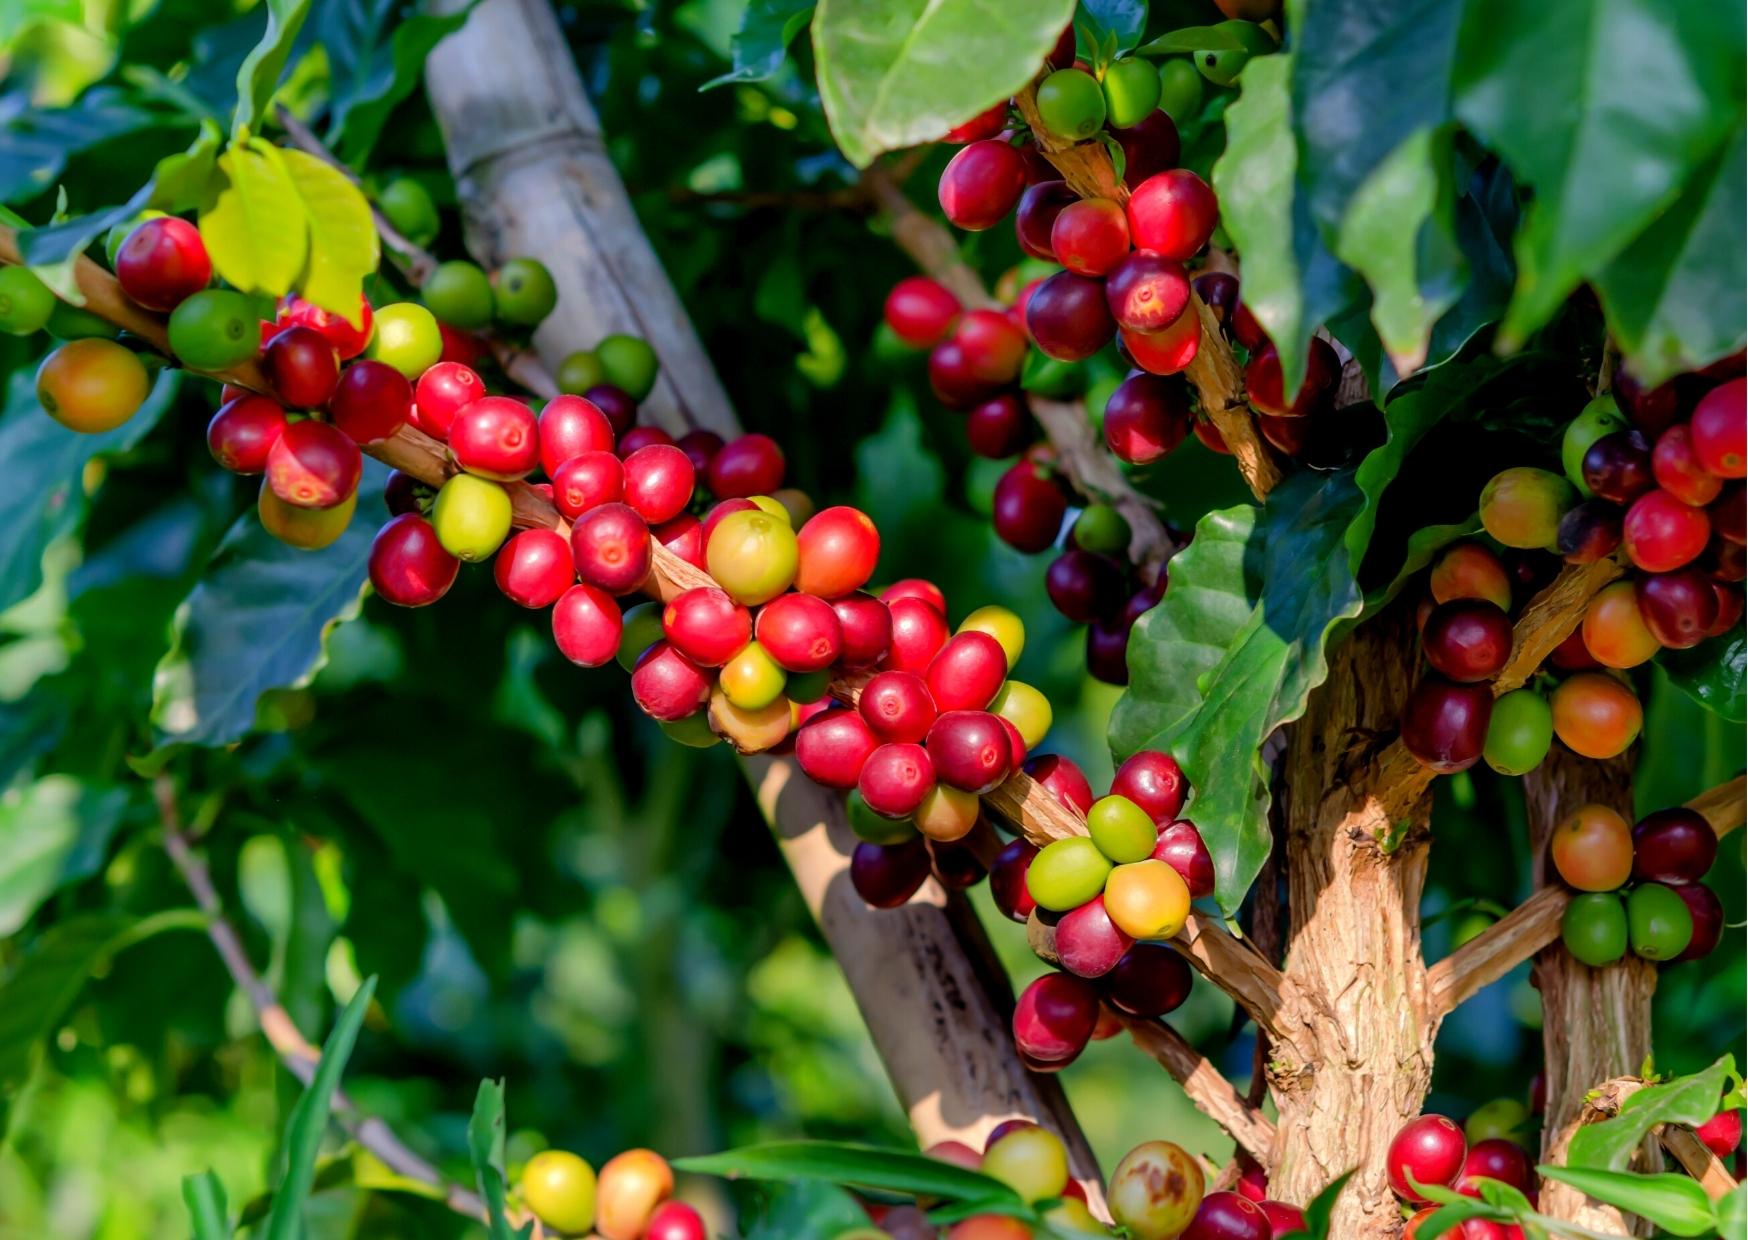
pixel 1596 1023
pixel 526 150
pixel 1358 1059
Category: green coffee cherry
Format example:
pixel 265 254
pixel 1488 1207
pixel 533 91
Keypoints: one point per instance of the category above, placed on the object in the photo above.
pixel 524 292
pixel 1131 92
pixel 874 828
pixel 25 302
pixel 1600 417
pixel 407 205
pixel 693 731
pixel 641 628
pixel 471 517
pixel 406 338
pixel 1659 923
pixel 1071 104
pixel 1121 829
pixel 1067 873
pixel 214 329
pixel 1180 89
pixel 1594 928
pixel 71 323
pixel 460 294
pixel 630 364
pixel 579 372
pixel 1519 732
pixel 1102 529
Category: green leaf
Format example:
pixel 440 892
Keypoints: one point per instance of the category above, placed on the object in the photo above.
pixel 309 1119
pixel 893 73
pixel 48 976
pixel 1712 673
pixel 53 832
pixel 1229 36
pixel 845 1163
pixel 1732 1211
pixel 1674 297
pixel 1604 108
pixel 767 28
pixel 485 1146
pixel 42 463
pixel 257 620
pixel 809 1208
pixel 343 245
pixel 258 77
pixel 208 1211
pixel 256 228
pixel 370 76
pixel 1608 1145
pixel 1454 1212
pixel 1299 583
pixel 36 143
pixel 1121 20
pixel 1675 1203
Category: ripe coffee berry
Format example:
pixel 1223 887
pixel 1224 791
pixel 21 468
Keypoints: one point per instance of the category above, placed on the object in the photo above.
pixel 920 311
pixel 1054 1018
pixel 1035 217
pixel 993 347
pixel 970 750
pixel 674 1220
pixel 668 685
pixel 1068 318
pixel 1150 146
pixel 658 482
pixel 1062 779
pixel 897 706
pixel 1173 214
pixel 895 779
pixel 1673 846
pixel 497 438
pixel 1181 847
pixel 800 632
pixel 641 437
pixel 1007 879
pixel 312 465
pixel 700 447
pixel 442 392
pixel 1661 533
pixel 1147 292
pixel 1264 382
pixel 371 401
pixel 586 481
pixel 833 746
pixel 1679 609
pixel 243 432
pixel 1718 430
pixel 750 465
pixel 967 672
pixel 1145 418
pixel 1153 781
pixel 706 626
pixel 867 629
pixel 162 263
pixel 1678 469
pixel 1707 914
pixel 534 568
pixel 303 367
pixel 611 546
pixel 915 587
pixel 1084 587
pixel 918 632
pixel 1167 351
pixel 981 184
pixel 570 426
pixel 1444 724
pixel 1088 942
pixel 348 339
pixel 998 427
pixel 1429 1149
pixel 1028 507
pixel 836 552
pixel 1229 1216
pixel 1150 980
pixel 887 875
pixel 1496 1159
pixel 1467 640
pixel 408 566
pixel 1091 236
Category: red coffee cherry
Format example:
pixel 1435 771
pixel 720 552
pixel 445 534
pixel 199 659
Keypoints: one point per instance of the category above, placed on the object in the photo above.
pixel 443 391
pixel 1431 1149
pixel 706 625
pixel 302 366
pixel 1661 533
pixel 1496 1159
pixel 640 437
pixel 1173 214
pixel 1285 1219
pixel 348 340
pixel 1679 608
pixel 750 465
pixel 1229 1216
pixel 1107 652
pixel 162 263
pixel 586 481
pixel 667 685
pixel 1036 214
pixel 968 672
pixel 895 779
pixel 1145 418
pixel 1168 351
pixel 658 482
pixel 684 536
pixel 888 875
pixel 981 184
pixel 534 568
pixel 952 378
pixel 1150 146
pixel 1708 919
pixel 1155 782
pixel 497 438
pixel 371 401
pixel 921 311
pixel 986 124
pixel 611 546
pixel 1678 469
pixel 993 347
pixel 970 750
pixel 1029 507
pixel 700 447
pixel 408 566
pixel 1673 846
pixel 1007 879
pixel 918 631
pixel 1084 587
pixel 243 432
pixel 1147 292
pixel 1054 1018
pixel 915 587
pixel 837 549
pixel 615 403
pixel 312 465
pixel 1618 467
pixel 1088 942
pixel 1091 236
pixel 1652 409
pixel 897 706
pixel 832 747
pixel 800 632
pixel 1718 430
pixel 1067 317
pixel 1062 779
pixel 1150 980
pixel 674 1220
pixel 1264 382
pixel 462 348
pixel 998 427
pixel 1467 639
pixel 1181 847
pixel 570 426
pixel 867 629
pixel 1444 724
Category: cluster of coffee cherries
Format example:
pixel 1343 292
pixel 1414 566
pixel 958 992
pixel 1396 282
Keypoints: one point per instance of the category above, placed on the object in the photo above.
pixel 1669 914
pixel 1433 1151
pixel 1452 720
pixel 631 1199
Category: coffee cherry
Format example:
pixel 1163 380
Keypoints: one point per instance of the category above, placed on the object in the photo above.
pixel 952 378
pixel 1469 570
pixel 26 304
pixel 1067 317
pixel 706 626
pixel 1145 418
pixel 832 748
pixel 675 1220
pixel 641 629
pixel 1678 470
pixel 1707 913
pixel 700 447
pixel 587 481
pixel 410 209
pixel 1088 941
pixel 570 426
pixel 800 632
pixel 749 465
pixel 1595 715
pixel 986 124
pixel 1264 381
pixel 918 588
pixel 1717 430
pixel 1661 533
pixel 866 626
pixel 1594 928
pixel 1054 1018
pixel 1229 1216
pixel 1026 711
pixel 887 876
pixel 998 427
pixel 471 516
pixel 1028 507
pixel 1067 873
pixel 523 292
pixel 611 545
pixel 1614 631
pixel 1154 782
pixel 1678 608
pixel 658 482
pixel 1496 1159
pixel 309 529
pixel 1062 779
pixel 895 779
pixel 918 633
pixel 312 465
pixel 1588 532
pixel 496 437
pixel 1505 1118
pixel 1659 927
pixel 347 338
pixel 1618 467
pixel 872 827
pixel 836 551
pixel 1283 1218
pixel 1035 216
pixel 162 263
pixel 631 364
pixel 459 293
pixel 1602 416
pixel 1519 733
pixel 1082 586
pixel 897 706
pixel 1467 640
pixel 243 432
pixel 992 346
pixel 948 814
pixel 214 329
pixel 1722 1133
pixel 1181 847
pixel 639 437
pixel 982 183
pixel 1071 104
pixel 1730 607
pixel 1173 214
pixel 970 750
pixel 587 627
pixel 752 555
pixel 302 367
pixel 1444 724
pixel 1168 351
pixel 1107 652
pixel 684 536
pixel 1131 88
pixel 408 566
pixel 406 338
pixel 534 568
pixel 1522 507
pixel 372 401
pixel 1155 1191
pixel 967 672
pixel 749 731
pixel 1090 236
pixel 619 408
pixel 1729 514
pixel 560 1188
pixel 1673 846
pixel 1150 980
pixel 1007 880
pixel 1146 292
pixel 752 679
pixel 1430 1150
pixel 1151 145
pixel 668 685
pixel 1147 899
pixel 1121 828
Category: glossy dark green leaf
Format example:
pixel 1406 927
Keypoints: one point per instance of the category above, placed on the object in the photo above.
pixel 258 77
pixel 807 1208
pixel 485 1147
pixel 1608 1145
pixel 1223 37
pixel 1712 673
pixel 36 143
pixel 53 832
pixel 892 73
pixel 1121 20
pixel 374 63
pixel 861 1166
pixel 258 620
pixel 1675 1203
pixel 1605 109
pixel 767 28
pixel 309 1119
pixel 42 463
pixel 208 1211
pixel 1674 297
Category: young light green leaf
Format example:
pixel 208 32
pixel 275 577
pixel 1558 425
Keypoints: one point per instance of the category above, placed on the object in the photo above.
pixel 758 48
pixel 208 1212
pixel 485 1146
pixel 846 1163
pixel 255 226
pixel 309 1119
pixel 343 248
pixel 1675 1203
pixel 258 77
pixel 892 73
pixel 1608 1145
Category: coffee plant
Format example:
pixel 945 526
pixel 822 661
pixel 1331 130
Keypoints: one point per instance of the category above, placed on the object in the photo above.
pixel 1371 382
